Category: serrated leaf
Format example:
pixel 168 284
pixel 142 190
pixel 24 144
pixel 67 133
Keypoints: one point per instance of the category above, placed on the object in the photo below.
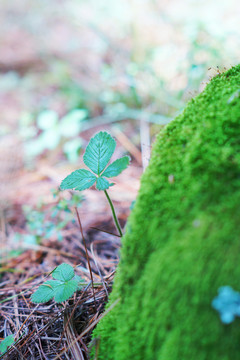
pixel 79 180
pixel 65 290
pixel 63 272
pixel 45 292
pixel 8 341
pixel 117 167
pixel 99 151
pixel 102 184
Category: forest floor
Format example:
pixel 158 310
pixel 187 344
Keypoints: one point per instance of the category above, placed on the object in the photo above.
pixel 39 231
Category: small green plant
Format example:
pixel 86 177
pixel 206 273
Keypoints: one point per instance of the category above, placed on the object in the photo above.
pixel 63 286
pixel 97 156
pixel 8 341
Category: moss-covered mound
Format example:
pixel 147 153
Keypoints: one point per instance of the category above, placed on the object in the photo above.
pixel 183 239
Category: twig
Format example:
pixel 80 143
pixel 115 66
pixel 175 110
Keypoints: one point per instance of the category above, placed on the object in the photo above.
pixel 99 272
pixel 84 242
pixel 127 144
pixel 104 231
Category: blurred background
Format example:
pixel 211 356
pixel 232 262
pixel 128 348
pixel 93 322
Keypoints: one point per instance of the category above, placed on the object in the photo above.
pixel 69 68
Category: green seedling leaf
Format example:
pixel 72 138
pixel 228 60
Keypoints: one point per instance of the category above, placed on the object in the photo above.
pixel 45 292
pixel 8 341
pixel 61 289
pixel 117 167
pixel 79 180
pixel 63 272
pixel 65 290
pixel 99 151
pixel 96 157
pixel 102 184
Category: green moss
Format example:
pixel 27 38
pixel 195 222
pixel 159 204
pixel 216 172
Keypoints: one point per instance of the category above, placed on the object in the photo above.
pixel 182 241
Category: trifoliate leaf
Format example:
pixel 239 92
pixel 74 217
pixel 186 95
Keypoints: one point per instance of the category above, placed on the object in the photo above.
pixel 79 180
pixel 65 290
pixel 99 152
pixel 102 184
pixel 64 272
pixel 45 292
pixel 8 341
pixel 117 167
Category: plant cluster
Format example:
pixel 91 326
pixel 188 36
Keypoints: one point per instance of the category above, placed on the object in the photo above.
pixel 97 156
pixel 50 131
pixel 48 222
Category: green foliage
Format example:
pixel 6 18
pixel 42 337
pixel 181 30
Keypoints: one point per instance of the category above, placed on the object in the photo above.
pixel 97 155
pixel 182 239
pixel 8 341
pixel 46 222
pixel 54 130
pixel 61 289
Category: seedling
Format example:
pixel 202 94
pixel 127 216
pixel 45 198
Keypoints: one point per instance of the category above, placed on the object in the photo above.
pixel 63 286
pixel 97 155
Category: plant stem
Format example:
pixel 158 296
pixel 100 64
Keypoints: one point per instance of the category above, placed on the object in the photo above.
pixel 114 214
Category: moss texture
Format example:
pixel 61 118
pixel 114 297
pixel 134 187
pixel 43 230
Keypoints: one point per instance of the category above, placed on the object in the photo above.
pixel 182 241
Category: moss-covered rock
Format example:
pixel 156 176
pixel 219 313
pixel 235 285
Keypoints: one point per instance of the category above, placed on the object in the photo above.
pixel 183 239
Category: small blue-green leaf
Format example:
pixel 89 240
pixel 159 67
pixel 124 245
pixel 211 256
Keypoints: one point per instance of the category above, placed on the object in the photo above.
pixel 71 149
pixel 117 167
pixel 64 272
pixel 45 292
pixel 49 139
pixel 70 124
pixel 79 180
pixel 99 152
pixel 102 184
pixel 65 290
pixel 47 119
pixel 8 341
